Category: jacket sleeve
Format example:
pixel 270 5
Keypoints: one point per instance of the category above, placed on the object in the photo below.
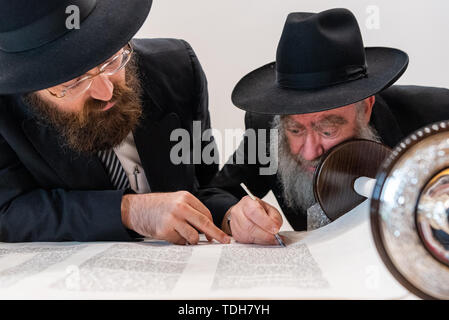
pixel 218 201
pixel 205 170
pixel 30 213
pixel 240 168
pixel 417 106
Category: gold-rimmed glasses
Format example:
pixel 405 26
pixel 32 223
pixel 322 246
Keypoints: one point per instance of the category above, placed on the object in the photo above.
pixel 76 87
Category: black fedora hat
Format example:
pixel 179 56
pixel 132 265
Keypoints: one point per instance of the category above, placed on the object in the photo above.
pixel 321 64
pixel 38 50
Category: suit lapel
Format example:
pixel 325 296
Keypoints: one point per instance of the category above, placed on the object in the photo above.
pixel 153 145
pixel 152 138
pixel 385 123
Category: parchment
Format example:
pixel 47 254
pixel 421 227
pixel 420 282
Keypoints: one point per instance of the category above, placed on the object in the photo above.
pixel 336 261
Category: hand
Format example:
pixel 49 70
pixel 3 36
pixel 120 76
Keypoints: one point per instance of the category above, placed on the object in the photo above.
pixel 174 217
pixel 253 221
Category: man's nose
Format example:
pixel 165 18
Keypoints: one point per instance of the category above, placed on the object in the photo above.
pixel 101 88
pixel 312 147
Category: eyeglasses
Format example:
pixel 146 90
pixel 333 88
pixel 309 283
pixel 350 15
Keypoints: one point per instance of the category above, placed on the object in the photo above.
pixel 327 131
pixel 76 87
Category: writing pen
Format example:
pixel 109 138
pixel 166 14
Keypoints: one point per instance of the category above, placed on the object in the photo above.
pixel 278 238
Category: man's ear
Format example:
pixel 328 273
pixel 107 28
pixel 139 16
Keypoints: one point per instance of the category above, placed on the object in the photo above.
pixel 42 94
pixel 369 104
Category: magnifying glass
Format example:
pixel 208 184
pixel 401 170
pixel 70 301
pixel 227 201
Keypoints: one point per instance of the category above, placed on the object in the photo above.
pixel 408 190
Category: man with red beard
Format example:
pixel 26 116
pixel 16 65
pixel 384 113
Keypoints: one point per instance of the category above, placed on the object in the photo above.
pixel 324 88
pixel 85 123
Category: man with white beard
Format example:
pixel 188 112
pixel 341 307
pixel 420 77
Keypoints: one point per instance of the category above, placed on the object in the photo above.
pixel 294 171
pixel 324 88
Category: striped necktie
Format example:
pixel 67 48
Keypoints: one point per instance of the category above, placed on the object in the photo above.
pixel 114 169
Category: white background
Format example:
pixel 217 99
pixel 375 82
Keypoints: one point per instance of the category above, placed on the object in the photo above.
pixel 234 37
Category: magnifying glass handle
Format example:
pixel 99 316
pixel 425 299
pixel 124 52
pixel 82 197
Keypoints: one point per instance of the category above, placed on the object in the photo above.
pixel 364 186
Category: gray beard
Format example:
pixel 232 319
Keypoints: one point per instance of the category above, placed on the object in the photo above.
pixel 296 182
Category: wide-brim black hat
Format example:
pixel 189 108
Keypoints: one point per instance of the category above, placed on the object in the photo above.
pixel 321 64
pixel 37 51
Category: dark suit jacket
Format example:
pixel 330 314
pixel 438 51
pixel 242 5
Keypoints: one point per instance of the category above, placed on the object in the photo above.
pixel 51 194
pixel 398 111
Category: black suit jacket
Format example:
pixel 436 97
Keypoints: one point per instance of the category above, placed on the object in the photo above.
pixel 51 194
pixel 398 111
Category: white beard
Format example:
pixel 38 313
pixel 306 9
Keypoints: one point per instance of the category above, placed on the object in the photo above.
pixel 297 183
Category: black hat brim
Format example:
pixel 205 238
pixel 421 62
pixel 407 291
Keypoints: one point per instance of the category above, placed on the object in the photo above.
pixel 258 91
pixel 104 32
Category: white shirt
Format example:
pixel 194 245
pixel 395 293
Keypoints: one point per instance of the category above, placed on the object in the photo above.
pixel 129 158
